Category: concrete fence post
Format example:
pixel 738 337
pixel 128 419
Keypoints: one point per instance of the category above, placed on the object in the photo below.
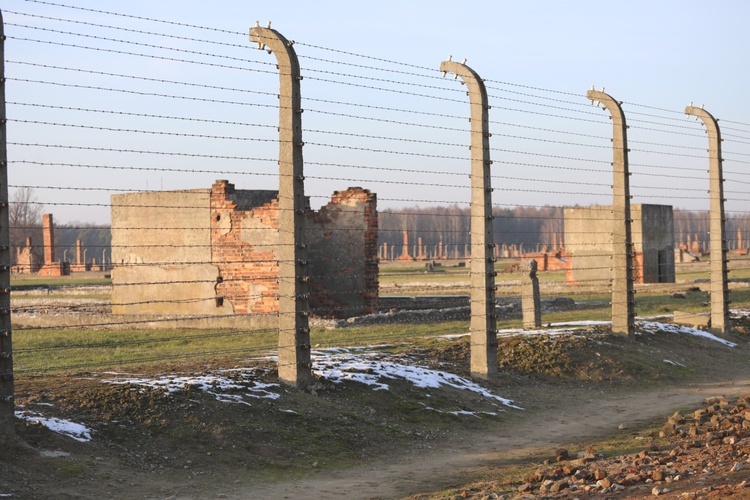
pixel 294 331
pixel 531 302
pixel 483 325
pixel 7 389
pixel 717 223
pixel 623 301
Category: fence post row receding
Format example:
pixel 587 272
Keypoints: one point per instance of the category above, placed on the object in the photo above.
pixel 7 416
pixel 717 224
pixel 483 325
pixel 294 333
pixel 294 350
pixel 623 252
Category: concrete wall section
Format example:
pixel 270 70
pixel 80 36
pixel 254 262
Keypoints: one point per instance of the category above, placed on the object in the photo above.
pixel 186 289
pixel 588 239
pixel 161 252
pixel 169 227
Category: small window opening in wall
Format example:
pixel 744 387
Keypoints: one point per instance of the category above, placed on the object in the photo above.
pixel 219 301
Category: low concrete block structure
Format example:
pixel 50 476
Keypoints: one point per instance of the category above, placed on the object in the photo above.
pixel 215 252
pixel 588 241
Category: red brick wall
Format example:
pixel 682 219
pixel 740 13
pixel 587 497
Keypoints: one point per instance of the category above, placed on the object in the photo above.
pixel 549 261
pixel 249 272
pixel 344 273
pixel 343 245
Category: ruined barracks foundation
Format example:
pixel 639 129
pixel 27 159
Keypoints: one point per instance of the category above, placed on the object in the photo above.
pixel 214 252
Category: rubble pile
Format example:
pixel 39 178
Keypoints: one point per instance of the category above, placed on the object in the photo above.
pixel 703 456
pixel 700 454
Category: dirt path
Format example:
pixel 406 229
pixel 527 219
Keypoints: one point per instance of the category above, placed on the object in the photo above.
pixel 578 418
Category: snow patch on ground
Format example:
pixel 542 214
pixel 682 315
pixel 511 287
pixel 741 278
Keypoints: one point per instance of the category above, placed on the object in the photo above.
pixel 54 454
pixel 375 368
pixel 366 365
pixel 653 327
pixel 462 412
pixel 224 388
pixel 675 363
pixel 642 324
pixel 555 329
pixel 65 427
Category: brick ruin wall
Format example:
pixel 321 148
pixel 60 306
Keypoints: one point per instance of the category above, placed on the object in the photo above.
pixel 225 260
pixel 342 251
pixel 243 242
pixel 28 259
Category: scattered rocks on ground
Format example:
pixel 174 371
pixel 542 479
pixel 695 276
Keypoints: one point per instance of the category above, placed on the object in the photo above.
pixel 705 457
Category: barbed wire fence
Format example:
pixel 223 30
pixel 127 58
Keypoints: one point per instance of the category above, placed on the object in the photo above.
pixel 167 136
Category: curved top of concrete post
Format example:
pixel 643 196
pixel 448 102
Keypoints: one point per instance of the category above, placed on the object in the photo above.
pixel 479 105
pixel 619 127
pixel 280 46
pixel 468 75
pixel 613 106
pixel 711 123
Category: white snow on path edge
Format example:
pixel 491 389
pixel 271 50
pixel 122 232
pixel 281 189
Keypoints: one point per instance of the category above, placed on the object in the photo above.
pixel 73 430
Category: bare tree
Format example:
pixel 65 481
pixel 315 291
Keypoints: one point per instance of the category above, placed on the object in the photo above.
pixel 24 213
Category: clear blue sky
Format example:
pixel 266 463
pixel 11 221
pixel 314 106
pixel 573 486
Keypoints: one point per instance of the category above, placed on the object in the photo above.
pixel 662 54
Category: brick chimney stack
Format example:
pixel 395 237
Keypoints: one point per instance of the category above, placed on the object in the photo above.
pixel 49 239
